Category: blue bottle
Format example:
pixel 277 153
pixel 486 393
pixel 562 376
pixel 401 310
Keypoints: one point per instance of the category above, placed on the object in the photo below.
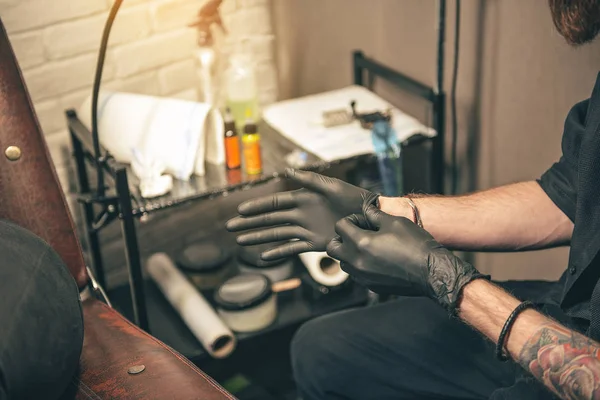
pixel 387 148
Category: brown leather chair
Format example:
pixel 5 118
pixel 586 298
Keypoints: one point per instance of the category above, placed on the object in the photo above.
pixel 31 197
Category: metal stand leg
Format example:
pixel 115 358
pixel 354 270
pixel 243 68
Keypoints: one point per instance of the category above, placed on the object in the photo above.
pixel 136 279
pixel 439 106
pixel 91 234
pixel 357 69
pixel 437 151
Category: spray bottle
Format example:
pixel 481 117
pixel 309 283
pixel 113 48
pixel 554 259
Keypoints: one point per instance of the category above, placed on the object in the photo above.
pixel 211 146
pixel 241 88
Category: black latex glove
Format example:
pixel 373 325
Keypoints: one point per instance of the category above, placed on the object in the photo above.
pixel 307 215
pixel 400 258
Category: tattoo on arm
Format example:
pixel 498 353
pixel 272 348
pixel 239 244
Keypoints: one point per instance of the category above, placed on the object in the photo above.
pixel 565 361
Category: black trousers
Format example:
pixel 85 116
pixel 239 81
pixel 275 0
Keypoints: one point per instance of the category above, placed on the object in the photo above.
pixel 403 349
pixel 41 324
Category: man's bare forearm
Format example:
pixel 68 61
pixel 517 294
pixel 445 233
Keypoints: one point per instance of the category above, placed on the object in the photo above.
pixel 508 218
pixel 565 361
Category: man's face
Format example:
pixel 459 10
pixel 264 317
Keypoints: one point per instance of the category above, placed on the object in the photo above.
pixel 578 21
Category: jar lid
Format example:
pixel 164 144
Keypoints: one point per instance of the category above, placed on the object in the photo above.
pixel 251 255
pixel 243 292
pixel 202 257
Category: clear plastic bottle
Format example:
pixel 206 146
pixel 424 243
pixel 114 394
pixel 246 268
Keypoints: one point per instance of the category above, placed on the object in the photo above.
pixel 241 88
pixel 389 160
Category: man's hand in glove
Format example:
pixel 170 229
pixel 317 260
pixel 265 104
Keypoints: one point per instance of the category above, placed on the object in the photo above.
pixel 400 258
pixel 308 215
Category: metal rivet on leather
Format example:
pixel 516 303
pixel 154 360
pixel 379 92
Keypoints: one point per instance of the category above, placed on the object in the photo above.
pixel 572 270
pixel 13 153
pixel 136 369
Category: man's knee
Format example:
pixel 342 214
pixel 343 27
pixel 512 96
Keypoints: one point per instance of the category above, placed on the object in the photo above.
pixel 354 353
pixel 42 330
pixel 305 351
pixel 313 349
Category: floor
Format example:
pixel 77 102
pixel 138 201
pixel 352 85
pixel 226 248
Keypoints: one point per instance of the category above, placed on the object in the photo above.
pixel 262 369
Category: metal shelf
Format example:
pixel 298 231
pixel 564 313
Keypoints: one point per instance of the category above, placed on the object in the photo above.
pixel 123 200
pixel 215 183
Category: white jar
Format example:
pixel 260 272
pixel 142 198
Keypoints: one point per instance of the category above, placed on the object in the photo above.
pixel 246 303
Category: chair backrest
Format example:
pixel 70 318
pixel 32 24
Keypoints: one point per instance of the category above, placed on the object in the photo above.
pixel 30 193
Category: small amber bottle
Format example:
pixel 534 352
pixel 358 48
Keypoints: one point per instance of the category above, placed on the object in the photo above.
pixel 232 143
pixel 251 146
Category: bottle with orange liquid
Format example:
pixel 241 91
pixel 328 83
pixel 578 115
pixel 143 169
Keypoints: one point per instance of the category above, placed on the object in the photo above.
pixel 232 143
pixel 251 146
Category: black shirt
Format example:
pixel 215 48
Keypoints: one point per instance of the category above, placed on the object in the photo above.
pixel 573 184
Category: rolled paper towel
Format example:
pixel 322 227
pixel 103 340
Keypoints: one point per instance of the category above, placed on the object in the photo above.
pixel 316 263
pixel 167 130
pixel 196 312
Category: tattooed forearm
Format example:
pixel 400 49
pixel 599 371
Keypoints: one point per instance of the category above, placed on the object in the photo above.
pixel 565 361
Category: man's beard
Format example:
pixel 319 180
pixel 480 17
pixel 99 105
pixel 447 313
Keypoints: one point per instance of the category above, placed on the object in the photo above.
pixel 578 21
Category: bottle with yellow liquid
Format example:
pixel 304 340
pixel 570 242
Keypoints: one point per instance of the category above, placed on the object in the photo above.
pixel 251 147
pixel 241 88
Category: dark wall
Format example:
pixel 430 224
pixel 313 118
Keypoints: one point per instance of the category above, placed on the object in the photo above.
pixel 516 83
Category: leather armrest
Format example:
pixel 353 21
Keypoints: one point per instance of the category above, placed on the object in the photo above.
pixel 112 345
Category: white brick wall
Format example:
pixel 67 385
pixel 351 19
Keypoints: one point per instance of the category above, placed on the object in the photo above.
pixel 173 14
pixel 177 77
pixel 24 15
pixel 56 78
pixel 142 83
pixel 151 51
pixel 29 48
pixel 50 114
pixel 189 94
pixel 83 35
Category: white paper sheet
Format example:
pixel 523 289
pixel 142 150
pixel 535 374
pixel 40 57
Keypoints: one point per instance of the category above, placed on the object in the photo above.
pixel 299 120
